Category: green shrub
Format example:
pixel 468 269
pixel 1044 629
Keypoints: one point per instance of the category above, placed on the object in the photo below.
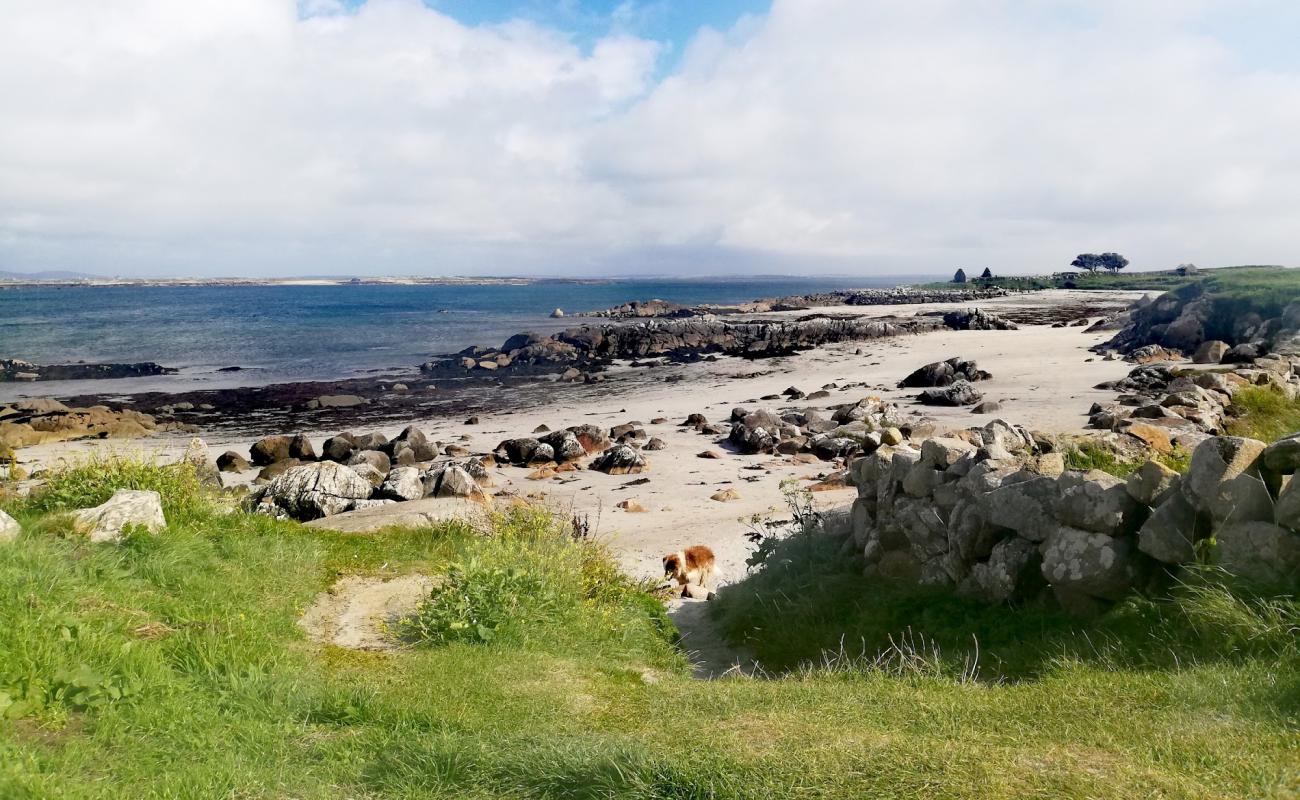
pixel 477 602
pixel 531 582
pixel 87 483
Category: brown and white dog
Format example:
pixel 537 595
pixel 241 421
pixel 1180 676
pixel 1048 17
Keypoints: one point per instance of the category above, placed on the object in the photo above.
pixel 692 565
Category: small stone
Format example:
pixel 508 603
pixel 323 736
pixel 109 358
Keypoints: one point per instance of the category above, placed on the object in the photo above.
pixel 725 496
pixel 633 507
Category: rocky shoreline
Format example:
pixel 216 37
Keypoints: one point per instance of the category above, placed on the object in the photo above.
pixel 899 295
pixel 12 369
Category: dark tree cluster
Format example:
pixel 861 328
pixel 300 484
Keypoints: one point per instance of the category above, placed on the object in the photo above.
pixel 1113 262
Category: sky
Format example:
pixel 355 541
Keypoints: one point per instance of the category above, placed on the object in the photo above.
pixel 645 137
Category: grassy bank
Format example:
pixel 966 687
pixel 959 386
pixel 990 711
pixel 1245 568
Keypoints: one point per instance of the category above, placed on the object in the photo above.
pixel 1263 285
pixel 173 666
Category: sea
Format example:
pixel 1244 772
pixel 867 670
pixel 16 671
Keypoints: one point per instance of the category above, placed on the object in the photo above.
pixel 278 333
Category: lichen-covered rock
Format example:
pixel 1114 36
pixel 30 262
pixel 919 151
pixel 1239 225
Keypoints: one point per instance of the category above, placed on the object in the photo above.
pixel 1096 501
pixel 1092 564
pixel 1260 552
pixel 1172 531
pixel 108 521
pixel 1025 507
pixel 1012 572
pixel 620 460
pixel 1152 483
pixel 401 483
pixel 1216 464
pixel 366 470
pixel 943 452
pixel 9 528
pixel 316 490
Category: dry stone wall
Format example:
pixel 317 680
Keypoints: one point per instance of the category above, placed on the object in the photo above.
pixel 991 515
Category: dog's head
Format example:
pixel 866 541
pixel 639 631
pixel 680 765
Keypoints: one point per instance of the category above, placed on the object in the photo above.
pixel 672 565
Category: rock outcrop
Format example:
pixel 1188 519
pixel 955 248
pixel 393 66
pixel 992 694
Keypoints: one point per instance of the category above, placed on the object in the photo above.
pixel 310 491
pixel 675 339
pixel 15 370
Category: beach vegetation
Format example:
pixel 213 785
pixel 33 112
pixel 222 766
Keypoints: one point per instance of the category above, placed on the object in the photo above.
pixel 174 665
pixel 1264 413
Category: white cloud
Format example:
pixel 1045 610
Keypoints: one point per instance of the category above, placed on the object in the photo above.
pixel 271 136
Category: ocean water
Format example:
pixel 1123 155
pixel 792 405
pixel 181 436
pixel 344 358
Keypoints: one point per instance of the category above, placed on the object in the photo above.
pixel 279 333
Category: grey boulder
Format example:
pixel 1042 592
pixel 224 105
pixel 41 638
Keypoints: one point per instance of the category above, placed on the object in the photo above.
pixel 108 521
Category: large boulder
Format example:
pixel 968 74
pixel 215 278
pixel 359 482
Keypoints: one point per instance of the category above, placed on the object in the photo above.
pixel 959 393
pixel 620 460
pixel 230 461
pixel 1091 564
pixel 371 441
pixel 1283 456
pixel 1210 351
pixel 1152 483
pixel 526 450
pixel 300 447
pixel 1224 472
pixel 339 448
pixel 424 513
pixel 412 441
pixel 312 491
pixel 1096 501
pixel 1171 533
pixel 375 458
pixel 1287 510
pixel 758 432
pixel 451 480
pixel 9 527
pixel 593 439
pixel 270 449
pixel 943 452
pixel 564 445
pixel 401 483
pixel 1261 553
pixel 108 521
pixel 944 373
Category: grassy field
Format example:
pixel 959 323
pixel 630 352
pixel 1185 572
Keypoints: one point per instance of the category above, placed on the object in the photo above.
pixel 172 666
pixel 1266 286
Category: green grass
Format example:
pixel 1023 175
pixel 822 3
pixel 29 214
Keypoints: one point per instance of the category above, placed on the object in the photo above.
pixel 1264 413
pixel 1266 289
pixel 172 666
pixel 1087 454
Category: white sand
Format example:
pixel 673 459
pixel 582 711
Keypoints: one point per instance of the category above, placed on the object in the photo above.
pixel 1043 376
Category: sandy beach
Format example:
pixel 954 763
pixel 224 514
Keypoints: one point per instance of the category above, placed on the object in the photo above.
pixel 1042 376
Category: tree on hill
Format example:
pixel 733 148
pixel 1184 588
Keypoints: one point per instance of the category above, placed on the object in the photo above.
pixel 1113 262
pixel 1092 262
pixel 1087 261
pixel 960 277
